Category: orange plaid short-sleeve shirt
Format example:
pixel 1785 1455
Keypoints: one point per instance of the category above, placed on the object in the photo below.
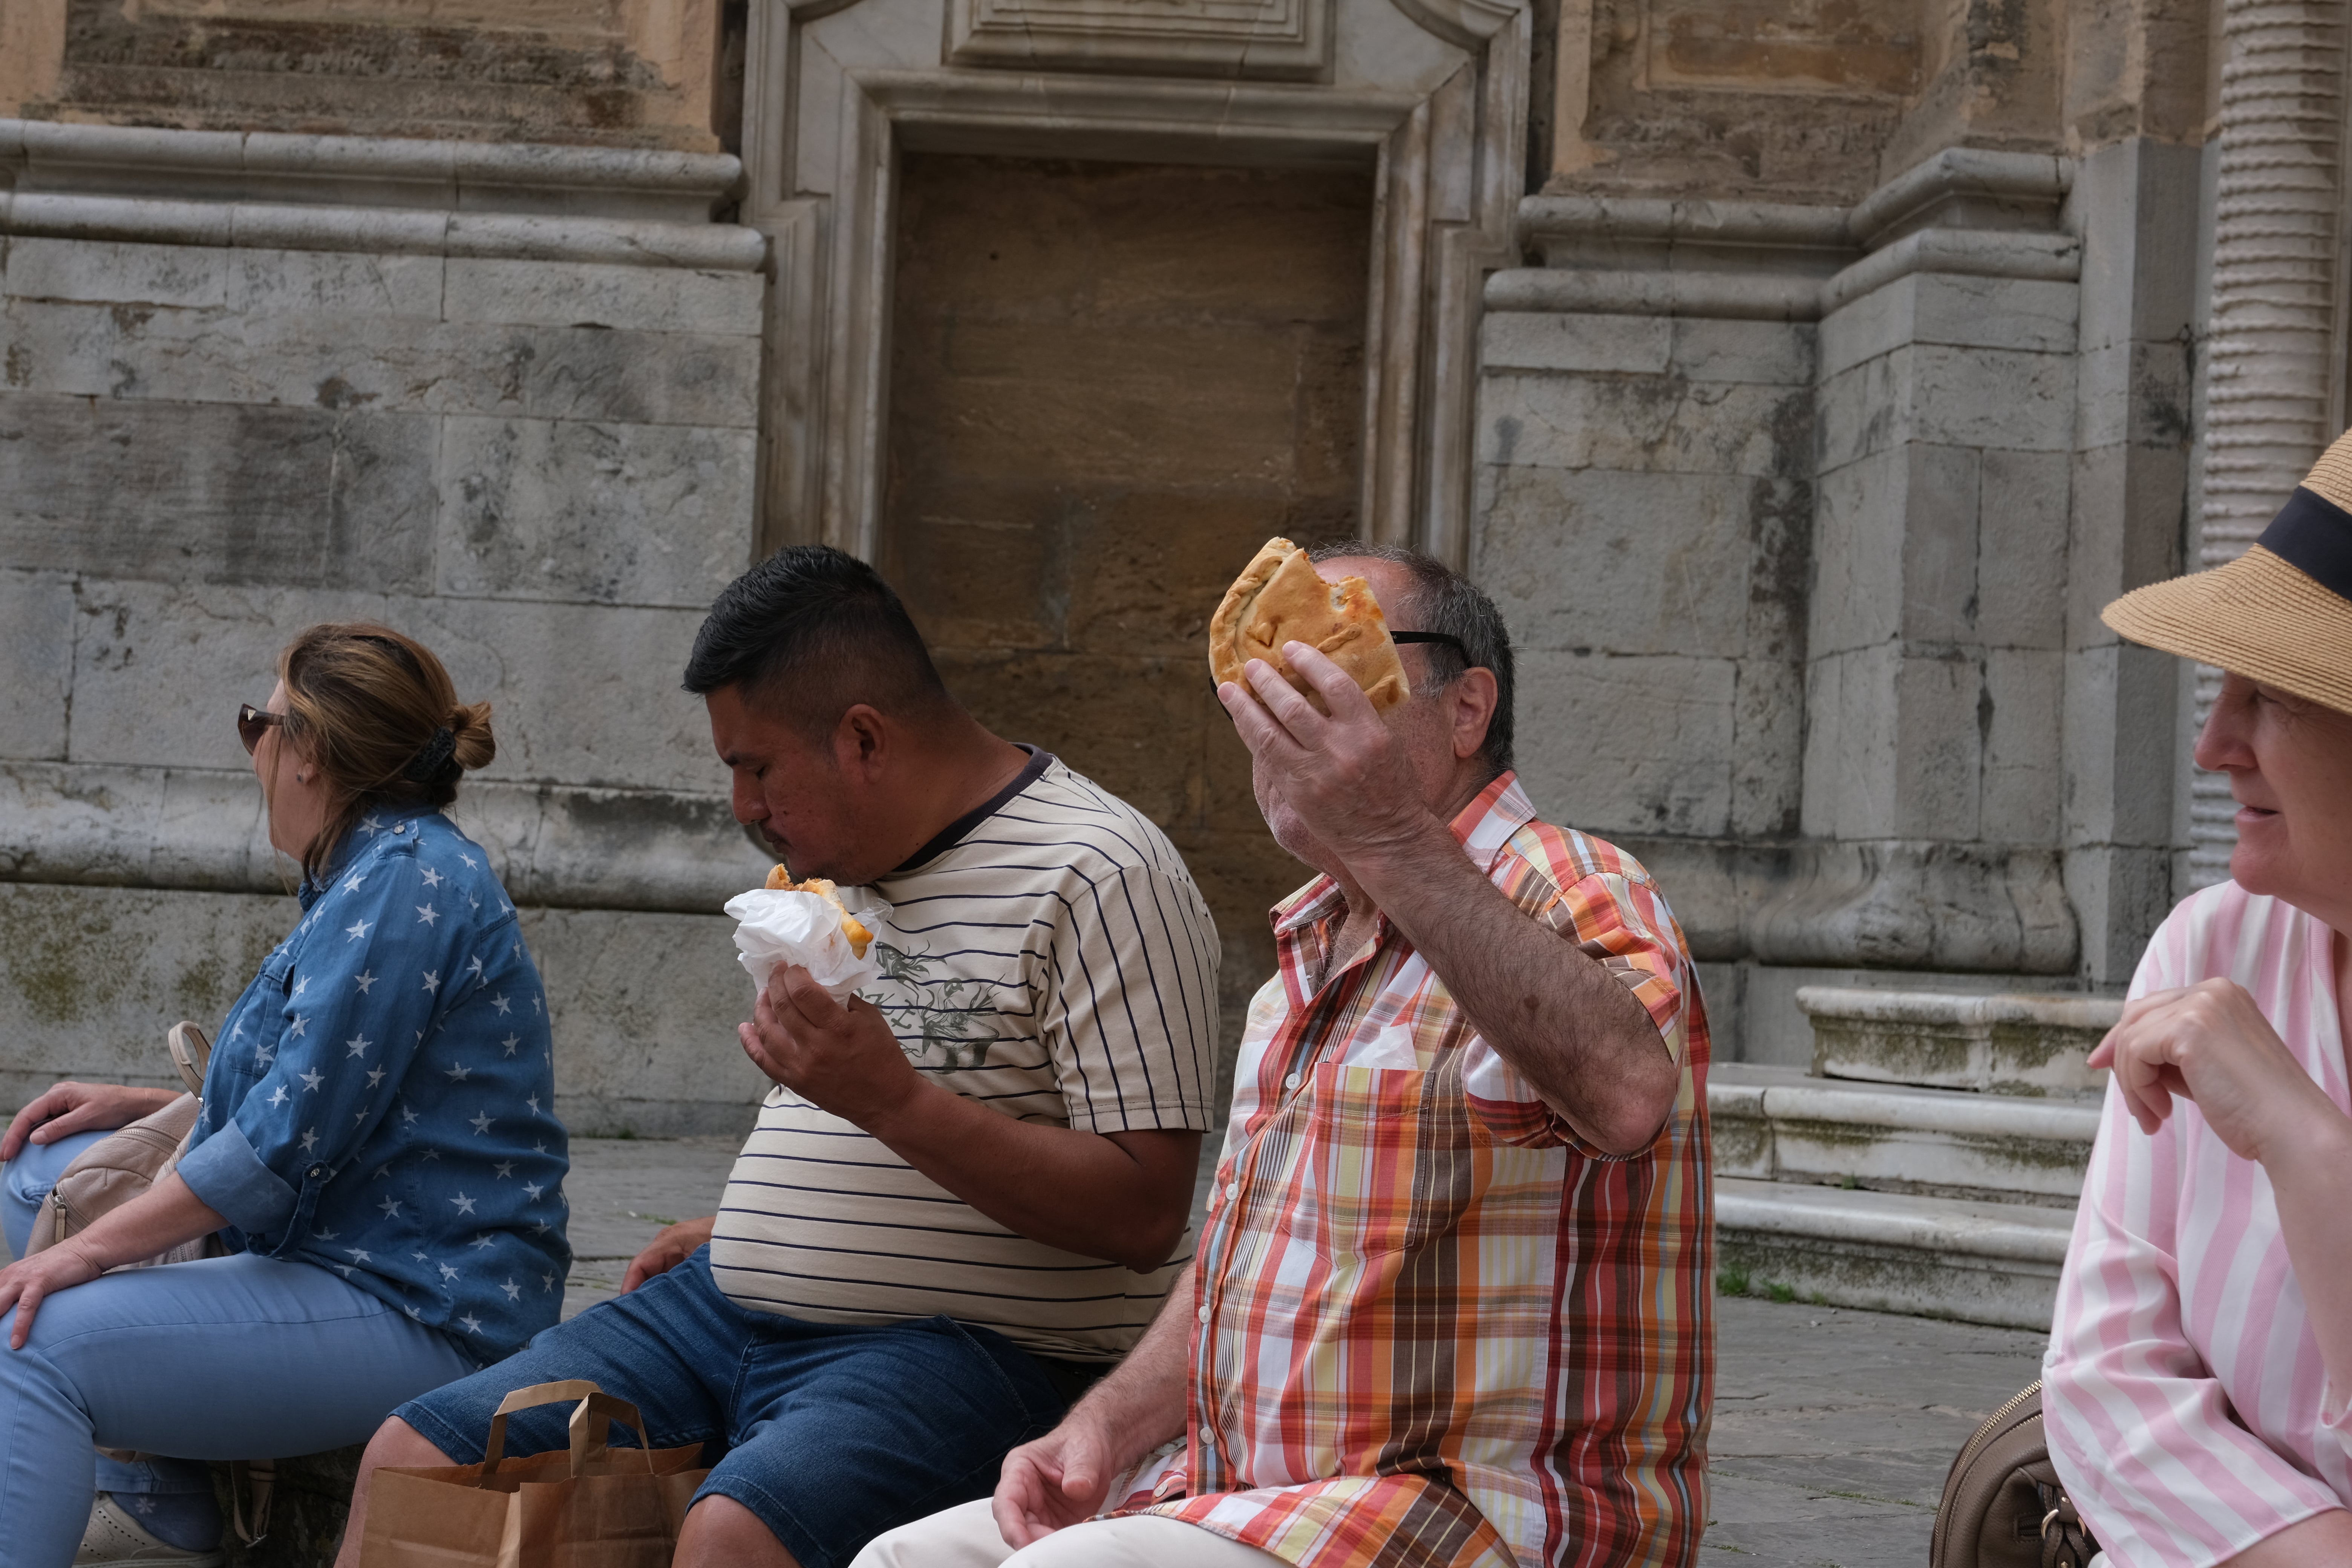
pixel 1432 1326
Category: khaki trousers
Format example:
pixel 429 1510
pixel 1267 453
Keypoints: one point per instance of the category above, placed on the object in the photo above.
pixel 966 1537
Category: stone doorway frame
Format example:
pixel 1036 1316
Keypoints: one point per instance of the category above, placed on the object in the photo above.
pixel 822 140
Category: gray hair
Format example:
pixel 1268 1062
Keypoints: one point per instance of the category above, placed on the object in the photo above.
pixel 1442 600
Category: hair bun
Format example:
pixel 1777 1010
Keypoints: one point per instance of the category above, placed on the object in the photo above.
pixel 469 726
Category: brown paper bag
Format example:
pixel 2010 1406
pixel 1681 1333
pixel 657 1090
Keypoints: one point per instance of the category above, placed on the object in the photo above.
pixel 588 1507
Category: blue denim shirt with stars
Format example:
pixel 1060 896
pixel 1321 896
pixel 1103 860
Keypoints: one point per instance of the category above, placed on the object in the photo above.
pixel 381 1100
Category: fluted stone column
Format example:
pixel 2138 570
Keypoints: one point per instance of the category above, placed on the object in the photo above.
pixel 2275 382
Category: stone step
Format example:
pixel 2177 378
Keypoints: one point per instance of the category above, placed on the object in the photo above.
pixel 2010 1043
pixel 1777 1124
pixel 1891 1252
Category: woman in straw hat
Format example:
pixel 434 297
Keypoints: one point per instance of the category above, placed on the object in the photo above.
pixel 2201 1365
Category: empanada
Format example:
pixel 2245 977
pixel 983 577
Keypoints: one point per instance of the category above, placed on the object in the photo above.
pixel 781 881
pixel 1280 598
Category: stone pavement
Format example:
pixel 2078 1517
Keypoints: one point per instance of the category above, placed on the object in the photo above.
pixel 1832 1427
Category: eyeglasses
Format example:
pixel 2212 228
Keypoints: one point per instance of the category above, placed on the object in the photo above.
pixel 252 723
pixel 1448 638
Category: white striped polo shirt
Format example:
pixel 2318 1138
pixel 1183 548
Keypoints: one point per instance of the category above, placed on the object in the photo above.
pixel 1049 956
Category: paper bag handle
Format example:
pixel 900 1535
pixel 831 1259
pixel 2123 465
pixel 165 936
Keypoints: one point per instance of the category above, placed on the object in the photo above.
pixel 588 1417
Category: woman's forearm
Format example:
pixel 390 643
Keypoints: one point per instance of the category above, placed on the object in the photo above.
pixel 2311 1182
pixel 162 1218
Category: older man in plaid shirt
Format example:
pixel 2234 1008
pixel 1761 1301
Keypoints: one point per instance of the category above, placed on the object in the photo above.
pixel 1452 1303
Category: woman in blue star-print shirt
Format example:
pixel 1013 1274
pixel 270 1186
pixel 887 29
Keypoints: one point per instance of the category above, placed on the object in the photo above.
pixel 377 1156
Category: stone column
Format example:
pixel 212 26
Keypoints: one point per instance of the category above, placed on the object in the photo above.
pixel 2273 393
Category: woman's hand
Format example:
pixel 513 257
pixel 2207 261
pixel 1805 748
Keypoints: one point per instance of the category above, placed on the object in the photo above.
pixel 24 1285
pixel 70 1108
pixel 2208 1043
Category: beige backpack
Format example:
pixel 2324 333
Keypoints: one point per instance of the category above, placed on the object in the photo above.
pixel 117 1169
pixel 2003 1504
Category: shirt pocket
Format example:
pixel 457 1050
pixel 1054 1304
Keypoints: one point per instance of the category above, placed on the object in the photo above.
pixel 1396 1159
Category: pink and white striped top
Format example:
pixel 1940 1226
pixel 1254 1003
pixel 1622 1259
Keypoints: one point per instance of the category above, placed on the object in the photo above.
pixel 2186 1408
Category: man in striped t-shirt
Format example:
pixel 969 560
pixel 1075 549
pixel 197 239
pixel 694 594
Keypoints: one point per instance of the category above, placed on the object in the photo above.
pixel 966 1195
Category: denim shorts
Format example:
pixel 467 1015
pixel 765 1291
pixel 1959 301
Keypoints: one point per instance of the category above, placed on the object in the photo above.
pixel 831 1435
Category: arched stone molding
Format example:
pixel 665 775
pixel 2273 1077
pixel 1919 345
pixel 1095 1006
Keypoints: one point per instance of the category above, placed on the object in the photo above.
pixel 1428 95
pixel 2276 357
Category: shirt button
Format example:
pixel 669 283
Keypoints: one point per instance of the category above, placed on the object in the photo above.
pixel 1208 1439
pixel 1290 1082
pixel 317 1172
pixel 1205 1314
pixel 1232 1191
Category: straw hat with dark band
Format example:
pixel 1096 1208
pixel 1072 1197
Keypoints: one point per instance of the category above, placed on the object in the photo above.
pixel 2282 613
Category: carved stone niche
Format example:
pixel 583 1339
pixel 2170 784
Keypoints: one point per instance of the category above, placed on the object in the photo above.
pixel 1428 95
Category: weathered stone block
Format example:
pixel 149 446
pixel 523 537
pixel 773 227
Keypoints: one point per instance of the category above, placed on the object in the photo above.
pixel 1990 397
pixel 2139 392
pixel 1937 534
pixel 1628 744
pixel 645 1009
pixel 1858 412
pixel 378 363
pixel 583 694
pixel 1849 741
pixel 1938 747
pixel 221 493
pixel 264 283
pixel 2127 526
pixel 1948 396
pixel 584 294
pixel 2121 739
pixel 611 513
pixel 37 647
pixel 1857 591
pixel 92 977
pixel 1625 563
pixel 2021 542
pixel 1898 547
pixel 108 272
pixel 1954 310
pixel 1637 424
pixel 2019 718
pixel 1779 354
pixel 2121 894
pixel 1767 748
pixel 1638 345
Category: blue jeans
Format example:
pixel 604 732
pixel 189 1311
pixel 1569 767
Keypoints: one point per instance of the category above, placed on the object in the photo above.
pixel 227 1358
pixel 831 1435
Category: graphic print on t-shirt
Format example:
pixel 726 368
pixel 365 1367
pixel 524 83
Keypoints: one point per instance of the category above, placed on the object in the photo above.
pixel 952 1018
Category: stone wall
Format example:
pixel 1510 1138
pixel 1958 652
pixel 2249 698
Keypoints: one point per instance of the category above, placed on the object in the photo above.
pixel 625 73
pixel 526 439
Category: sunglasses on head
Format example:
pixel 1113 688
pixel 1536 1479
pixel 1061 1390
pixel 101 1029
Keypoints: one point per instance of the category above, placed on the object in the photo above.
pixel 252 723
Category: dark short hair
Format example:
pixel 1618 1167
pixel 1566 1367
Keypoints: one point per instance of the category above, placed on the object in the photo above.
pixel 1442 600
pixel 809 632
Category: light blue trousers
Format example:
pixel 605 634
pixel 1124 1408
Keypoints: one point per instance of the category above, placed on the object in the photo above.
pixel 228 1358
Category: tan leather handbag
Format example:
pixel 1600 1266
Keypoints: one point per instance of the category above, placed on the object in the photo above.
pixel 2003 1506
pixel 117 1169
